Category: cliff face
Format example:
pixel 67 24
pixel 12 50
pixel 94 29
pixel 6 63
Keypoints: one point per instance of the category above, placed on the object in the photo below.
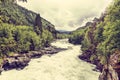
pixel 108 73
pixel 101 43
pixel 112 70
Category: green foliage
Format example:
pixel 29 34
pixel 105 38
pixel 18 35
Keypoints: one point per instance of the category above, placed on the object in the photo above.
pixel 113 11
pixel 16 35
pixel 99 33
pixel 18 39
pixel 104 39
pixel 14 14
pixel 112 38
pixel 63 35
pixel 47 37
pixel 38 25
pixel 86 43
pixel 7 42
pixel 26 39
pixel 77 36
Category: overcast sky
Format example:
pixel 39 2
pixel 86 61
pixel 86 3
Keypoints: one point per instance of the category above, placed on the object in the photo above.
pixel 67 14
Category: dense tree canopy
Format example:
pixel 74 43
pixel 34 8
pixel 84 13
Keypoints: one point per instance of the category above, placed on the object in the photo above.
pixel 22 30
pixel 103 39
pixel 21 39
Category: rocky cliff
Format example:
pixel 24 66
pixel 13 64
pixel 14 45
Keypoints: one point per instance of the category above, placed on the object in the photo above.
pixel 101 43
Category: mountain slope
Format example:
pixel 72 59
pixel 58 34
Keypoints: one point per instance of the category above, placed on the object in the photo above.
pixel 22 31
pixel 101 43
pixel 12 13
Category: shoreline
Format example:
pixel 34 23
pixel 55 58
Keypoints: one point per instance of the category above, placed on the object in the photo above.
pixel 20 61
pixel 98 68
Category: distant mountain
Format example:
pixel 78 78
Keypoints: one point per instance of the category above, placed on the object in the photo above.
pixel 64 32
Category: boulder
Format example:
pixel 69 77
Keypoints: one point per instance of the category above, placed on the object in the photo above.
pixel 15 63
pixel 34 54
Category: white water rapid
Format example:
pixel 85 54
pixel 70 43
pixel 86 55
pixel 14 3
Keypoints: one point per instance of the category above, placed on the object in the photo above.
pixel 64 65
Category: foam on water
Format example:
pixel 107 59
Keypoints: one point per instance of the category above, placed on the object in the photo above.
pixel 64 65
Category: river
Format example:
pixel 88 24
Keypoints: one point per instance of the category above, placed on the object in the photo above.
pixel 64 65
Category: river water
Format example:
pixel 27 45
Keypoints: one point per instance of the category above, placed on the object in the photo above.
pixel 64 65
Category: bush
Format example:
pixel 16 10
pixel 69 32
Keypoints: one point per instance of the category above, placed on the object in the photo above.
pixel 77 36
pixel 18 39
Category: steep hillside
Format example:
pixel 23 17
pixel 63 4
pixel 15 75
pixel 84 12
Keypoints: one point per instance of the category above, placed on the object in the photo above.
pixel 22 31
pixel 12 13
pixel 77 36
pixel 101 43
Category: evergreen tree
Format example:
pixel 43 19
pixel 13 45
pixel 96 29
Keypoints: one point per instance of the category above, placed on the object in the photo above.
pixel 38 25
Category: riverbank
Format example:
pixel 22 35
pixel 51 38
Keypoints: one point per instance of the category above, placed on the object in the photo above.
pixel 64 65
pixel 86 57
pixel 110 71
pixel 20 61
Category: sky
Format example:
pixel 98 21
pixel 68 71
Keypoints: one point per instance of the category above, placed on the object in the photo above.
pixel 67 15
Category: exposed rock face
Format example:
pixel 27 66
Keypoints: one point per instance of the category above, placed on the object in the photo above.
pixel 19 61
pixel 112 72
pixel 115 62
pixel 15 62
pixel 108 73
pixel 86 57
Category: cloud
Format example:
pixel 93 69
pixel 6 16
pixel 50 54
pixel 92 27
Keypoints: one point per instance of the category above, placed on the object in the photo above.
pixel 67 14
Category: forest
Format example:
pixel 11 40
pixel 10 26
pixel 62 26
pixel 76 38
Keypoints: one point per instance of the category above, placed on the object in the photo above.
pixel 22 30
pixel 100 41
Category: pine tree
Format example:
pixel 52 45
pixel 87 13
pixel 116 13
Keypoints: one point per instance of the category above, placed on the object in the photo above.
pixel 38 25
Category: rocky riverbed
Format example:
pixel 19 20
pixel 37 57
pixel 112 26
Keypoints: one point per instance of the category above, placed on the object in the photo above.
pixel 19 61
pixel 65 65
